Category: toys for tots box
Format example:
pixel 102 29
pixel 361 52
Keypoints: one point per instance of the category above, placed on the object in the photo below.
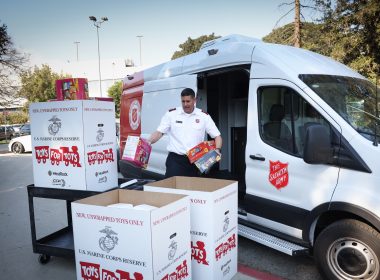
pixel 130 243
pixel 213 208
pixel 74 144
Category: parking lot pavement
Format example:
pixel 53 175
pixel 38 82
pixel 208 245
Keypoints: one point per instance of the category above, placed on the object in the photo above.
pixel 16 252
pixel 3 148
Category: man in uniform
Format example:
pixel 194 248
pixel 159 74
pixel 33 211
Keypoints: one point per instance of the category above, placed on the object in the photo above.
pixel 186 127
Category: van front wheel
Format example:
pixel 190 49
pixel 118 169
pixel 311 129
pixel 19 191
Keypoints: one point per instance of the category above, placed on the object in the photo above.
pixel 348 249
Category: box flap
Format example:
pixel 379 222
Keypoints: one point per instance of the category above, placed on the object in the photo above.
pixel 131 196
pixel 192 183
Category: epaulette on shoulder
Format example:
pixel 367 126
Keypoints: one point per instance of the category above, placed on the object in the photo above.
pixel 204 112
pixel 172 109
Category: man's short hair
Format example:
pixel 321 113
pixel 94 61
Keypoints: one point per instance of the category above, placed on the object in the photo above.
pixel 188 92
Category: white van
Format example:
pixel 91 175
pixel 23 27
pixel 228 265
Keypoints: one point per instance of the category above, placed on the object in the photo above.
pixel 299 134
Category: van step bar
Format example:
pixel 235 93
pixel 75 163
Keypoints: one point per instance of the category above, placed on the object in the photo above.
pixel 271 241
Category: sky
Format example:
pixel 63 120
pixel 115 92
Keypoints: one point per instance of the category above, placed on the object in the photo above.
pixel 47 29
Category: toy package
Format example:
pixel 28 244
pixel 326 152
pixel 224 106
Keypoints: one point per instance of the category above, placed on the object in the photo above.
pixel 137 150
pixel 71 89
pixel 200 150
pixel 205 163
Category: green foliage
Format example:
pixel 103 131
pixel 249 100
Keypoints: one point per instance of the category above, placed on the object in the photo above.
pixel 311 33
pixel 12 63
pixel 192 45
pixel 115 92
pixel 39 85
pixel 349 33
pixel 13 118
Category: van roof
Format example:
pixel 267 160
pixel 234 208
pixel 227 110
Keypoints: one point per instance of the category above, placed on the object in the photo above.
pixel 268 60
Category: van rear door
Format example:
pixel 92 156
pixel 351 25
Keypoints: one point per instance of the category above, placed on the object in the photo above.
pixel 159 96
pixel 281 187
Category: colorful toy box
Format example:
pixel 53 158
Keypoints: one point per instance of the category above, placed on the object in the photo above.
pixel 137 151
pixel 71 89
pixel 200 150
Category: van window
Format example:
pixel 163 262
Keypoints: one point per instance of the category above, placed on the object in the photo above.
pixel 284 117
pixel 352 98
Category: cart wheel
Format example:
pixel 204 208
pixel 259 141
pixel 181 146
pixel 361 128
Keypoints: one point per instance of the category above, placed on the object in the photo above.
pixel 44 259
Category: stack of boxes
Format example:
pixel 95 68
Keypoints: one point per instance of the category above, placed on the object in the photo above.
pixel 189 233
pixel 177 228
pixel 74 145
pixel 129 243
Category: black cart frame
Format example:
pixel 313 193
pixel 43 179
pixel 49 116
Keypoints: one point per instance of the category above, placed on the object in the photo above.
pixel 61 242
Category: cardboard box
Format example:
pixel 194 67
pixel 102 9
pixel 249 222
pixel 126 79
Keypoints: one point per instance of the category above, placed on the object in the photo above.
pixel 114 243
pixel 74 144
pixel 207 161
pixel 213 205
pixel 200 150
pixel 71 89
pixel 137 151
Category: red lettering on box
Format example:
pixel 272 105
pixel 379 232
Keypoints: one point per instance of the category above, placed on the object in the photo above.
pixel 90 271
pixel 91 157
pixel 198 252
pixel 63 154
pixel 42 153
pixel 100 157
pixel 225 247
pixel 181 272
pixel 125 275
pixel 55 156
pixel 108 155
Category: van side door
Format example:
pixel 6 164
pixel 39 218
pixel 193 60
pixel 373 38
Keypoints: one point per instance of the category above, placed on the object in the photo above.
pixel 281 187
pixel 159 96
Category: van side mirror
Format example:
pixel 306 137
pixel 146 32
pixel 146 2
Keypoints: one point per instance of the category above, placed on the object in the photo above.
pixel 317 148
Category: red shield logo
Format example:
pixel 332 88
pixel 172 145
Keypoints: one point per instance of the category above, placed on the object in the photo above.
pixel 134 115
pixel 278 174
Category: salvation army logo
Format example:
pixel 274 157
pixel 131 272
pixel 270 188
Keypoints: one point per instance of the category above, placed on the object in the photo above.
pixel 134 114
pixel 278 174
pixel 54 126
pixel 107 243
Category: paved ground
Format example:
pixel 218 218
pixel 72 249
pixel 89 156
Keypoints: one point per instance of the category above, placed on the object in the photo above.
pixel 16 253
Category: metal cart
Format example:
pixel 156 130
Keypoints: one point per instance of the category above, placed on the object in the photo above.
pixel 61 242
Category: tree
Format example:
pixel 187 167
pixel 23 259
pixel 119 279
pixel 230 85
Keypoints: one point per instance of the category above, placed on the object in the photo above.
pixel 39 85
pixel 115 92
pixel 354 28
pixel 313 38
pixel 296 38
pixel 193 45
pixel 348 33
pixel 12 63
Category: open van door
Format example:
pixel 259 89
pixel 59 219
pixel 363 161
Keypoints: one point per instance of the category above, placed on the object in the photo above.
pixel 159 96
pixel 282 188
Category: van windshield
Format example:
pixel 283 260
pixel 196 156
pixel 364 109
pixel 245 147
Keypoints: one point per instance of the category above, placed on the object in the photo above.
pixel 352 98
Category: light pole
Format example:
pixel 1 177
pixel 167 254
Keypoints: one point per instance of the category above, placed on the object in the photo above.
pixel 76 42
pixel 140 36
pixel 97 24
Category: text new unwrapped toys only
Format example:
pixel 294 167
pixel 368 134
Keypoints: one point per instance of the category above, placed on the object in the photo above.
pixel 139 243
pixel 213 205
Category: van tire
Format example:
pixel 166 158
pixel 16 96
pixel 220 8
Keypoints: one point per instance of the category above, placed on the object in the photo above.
pixel 348 249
